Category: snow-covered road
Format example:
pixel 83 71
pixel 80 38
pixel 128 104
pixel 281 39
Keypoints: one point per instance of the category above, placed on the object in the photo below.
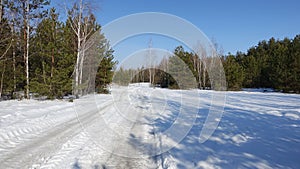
pixel 141 127
pixel 84 134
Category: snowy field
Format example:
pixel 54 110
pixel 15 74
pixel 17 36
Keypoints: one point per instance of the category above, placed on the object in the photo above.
pixel 138 127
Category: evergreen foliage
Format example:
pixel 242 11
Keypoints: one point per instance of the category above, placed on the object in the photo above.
pixel 50 49
pixel 271 64
pixel 52 52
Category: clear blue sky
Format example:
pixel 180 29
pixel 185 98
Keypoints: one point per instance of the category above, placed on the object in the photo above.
pixel 235 25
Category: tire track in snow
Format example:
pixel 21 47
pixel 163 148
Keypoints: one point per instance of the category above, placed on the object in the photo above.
pixel 21 117
pixel 35 151
pixel 14 135
pixel 133 153
pixel 67 149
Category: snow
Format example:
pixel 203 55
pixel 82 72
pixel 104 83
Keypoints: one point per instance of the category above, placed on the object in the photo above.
pixel 143 127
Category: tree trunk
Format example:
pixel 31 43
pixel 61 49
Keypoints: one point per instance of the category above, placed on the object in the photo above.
pixel 44 72
pixel 52 69
pixel 195 60
pixel 153 75
pixel 78 60
pixel 52 56
pixel 83 44
pixel 14 60
pixel 1 10
pixel 150 58
pixel 12 29
pixel 24 40
pixel 2 78
pixel 150 75
pixel 77 74
pixel 199 63
pixel 204 76
pixel 75 85
pixel 143 75
pixel 26 45
pixel 27 52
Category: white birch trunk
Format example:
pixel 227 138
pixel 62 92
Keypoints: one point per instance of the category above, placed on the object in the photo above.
pixel 77 66
pixel 199 63
pixel 83 48
pixel 27 50
pixel 14 55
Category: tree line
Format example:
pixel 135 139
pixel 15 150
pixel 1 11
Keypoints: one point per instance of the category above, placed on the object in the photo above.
pixel 270 64
pixel 183 69
pixel 42 55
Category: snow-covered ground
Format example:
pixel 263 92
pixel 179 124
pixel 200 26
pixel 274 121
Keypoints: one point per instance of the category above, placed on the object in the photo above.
pixel 142 127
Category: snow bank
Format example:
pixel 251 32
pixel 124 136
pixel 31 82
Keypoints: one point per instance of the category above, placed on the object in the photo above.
pixel 139 85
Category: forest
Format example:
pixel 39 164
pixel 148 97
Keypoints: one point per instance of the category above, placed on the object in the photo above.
pixel 43 55
pixel 270 64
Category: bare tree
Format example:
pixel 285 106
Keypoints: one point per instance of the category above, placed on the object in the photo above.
pixel 200 62
pixel 217 79
pixel 80 18
pixel 198 66
pixel 150 60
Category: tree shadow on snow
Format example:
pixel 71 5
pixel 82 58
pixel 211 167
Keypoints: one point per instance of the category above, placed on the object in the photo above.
pixel 243 139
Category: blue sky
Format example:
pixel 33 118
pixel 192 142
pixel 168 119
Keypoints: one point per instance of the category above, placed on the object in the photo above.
pixel 235 25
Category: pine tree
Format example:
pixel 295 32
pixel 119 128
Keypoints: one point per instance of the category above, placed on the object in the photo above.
pixel 105 71
pixel 234 73
pixel 48 53
pixel 5 48
pixel 9 60
pixel 294 67
pixel 30 10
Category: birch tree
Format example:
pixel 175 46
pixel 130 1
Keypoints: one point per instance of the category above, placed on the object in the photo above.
pixel 200 62
pixel 30 10
pixel 83 25
pixel 151 62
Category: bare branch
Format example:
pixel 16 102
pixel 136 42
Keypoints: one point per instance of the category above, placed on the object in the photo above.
pixel 6 50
